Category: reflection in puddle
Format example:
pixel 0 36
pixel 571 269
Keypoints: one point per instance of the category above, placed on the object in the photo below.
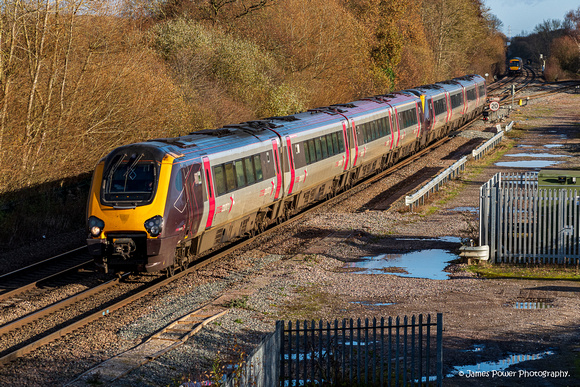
pixel 367 303
pixel 524 146
pixel 533 305
pixel 537 164
pixel 450 239
pixel 553 145
pixel 537 155
pixel 418 264
pixel 475 210
pixel 476 348
pixel 496 366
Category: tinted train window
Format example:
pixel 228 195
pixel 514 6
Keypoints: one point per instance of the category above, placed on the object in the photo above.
pixel 323 147
pixel 240 174
pixel 456 100
pixel 440 106
pixel 258 168
pixel 335 149
pixel 408 118
pixel 249 167
pixel 481 91
pixel 235 175
pixel 219 180
pixel 230 177
pixel 471 96
pixel 373 130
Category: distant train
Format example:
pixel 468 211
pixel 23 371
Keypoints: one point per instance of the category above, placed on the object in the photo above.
pixel 156 205
pixel 515 66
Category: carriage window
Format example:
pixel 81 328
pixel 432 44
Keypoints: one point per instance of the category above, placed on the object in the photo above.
pixel 471 95
pixel 312 151
pixel 240 176
pixel 318 149
pixel 258 168
pixel 230 177
pixel 341 142
pixel 335 143
pixel 329 145
pixel 456 100
pixel 306 152
pixel 249 170
pixel 324 147
pixel 219 180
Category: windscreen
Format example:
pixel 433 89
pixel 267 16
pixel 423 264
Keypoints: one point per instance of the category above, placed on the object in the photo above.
pixel 130 179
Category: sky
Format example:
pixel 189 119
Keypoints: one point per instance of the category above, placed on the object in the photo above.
pixel 524 15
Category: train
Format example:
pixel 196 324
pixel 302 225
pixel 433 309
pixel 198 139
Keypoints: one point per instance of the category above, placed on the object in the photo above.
pixel 515 66
pixel 155 206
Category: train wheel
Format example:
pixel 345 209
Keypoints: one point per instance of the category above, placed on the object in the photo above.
pixel 170 271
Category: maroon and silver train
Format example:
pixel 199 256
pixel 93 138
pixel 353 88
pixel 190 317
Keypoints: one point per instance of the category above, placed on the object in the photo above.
pixel 156 205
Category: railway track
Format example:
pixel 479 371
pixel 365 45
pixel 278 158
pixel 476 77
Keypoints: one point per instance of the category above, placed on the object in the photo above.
pixel 21 336
pixel 44 273
pixel 62 327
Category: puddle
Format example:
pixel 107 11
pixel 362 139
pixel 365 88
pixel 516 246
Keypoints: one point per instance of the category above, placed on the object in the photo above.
pixel 533 305
pixel 553 145
pixel 475 210
pixel 536 164
pixel 450 239
pixel 418 264
pixel 367 303
pixel 488 368
pixel 524 146
pixel 537 155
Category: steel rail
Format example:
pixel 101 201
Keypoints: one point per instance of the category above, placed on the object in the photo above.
pixel 215 256
pixel 36 267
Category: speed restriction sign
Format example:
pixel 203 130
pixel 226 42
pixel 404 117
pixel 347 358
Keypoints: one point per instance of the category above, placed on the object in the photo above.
pixel 494 106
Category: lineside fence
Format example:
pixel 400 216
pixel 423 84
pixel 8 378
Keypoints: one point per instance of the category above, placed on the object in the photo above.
pixel 386 352
pixel 418 198
pixel 523 224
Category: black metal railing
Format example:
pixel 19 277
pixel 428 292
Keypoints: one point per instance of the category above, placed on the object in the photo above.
pixel 399 352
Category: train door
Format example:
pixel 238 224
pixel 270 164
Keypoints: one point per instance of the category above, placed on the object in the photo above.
pixel 192 180
pixel 210 192
pixel 346 145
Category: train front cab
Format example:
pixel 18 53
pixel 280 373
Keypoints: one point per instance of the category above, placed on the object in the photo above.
pixel 131 226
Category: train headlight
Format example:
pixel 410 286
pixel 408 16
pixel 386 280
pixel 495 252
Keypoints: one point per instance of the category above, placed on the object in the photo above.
pixel 154 226
pixel 96 226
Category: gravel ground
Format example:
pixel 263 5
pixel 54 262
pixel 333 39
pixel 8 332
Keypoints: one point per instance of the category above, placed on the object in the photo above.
pixel 304 272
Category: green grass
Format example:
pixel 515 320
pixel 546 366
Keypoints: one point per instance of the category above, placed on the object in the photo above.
pixel 541 272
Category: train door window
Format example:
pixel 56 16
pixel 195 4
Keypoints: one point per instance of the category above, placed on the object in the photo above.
pixel 318 149
pixel 240 174
pixel 258 168
pixel 324 147
pixel 219 180
pixel 230 177
pixel 335 143
pixel 249 168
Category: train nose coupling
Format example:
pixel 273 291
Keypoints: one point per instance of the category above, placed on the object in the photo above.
pixel 124 247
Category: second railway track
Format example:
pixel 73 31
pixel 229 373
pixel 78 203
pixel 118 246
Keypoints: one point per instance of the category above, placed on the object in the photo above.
pixel 26 333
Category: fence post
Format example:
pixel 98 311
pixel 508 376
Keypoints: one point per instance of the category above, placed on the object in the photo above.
pixel 439 349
